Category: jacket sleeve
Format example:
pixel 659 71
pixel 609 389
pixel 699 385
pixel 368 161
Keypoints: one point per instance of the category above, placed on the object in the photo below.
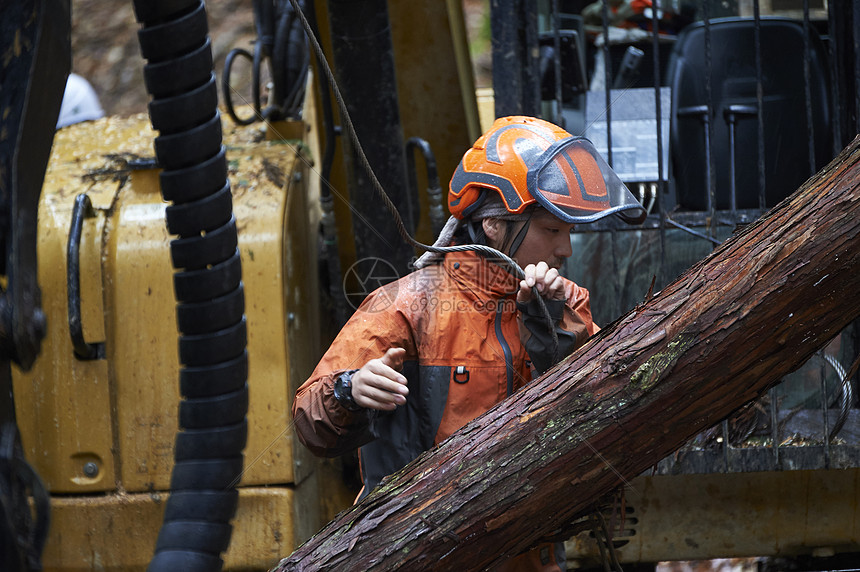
pixel 326 427
pixel 573 325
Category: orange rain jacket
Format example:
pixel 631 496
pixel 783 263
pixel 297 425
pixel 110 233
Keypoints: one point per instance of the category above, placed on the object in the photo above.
pixel 468 347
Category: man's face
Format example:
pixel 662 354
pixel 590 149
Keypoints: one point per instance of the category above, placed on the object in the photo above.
pixel 547 240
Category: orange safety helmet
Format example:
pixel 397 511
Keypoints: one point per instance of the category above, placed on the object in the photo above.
pixel 528 160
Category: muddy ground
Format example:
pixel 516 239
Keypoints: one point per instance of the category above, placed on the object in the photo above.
pixel 105 48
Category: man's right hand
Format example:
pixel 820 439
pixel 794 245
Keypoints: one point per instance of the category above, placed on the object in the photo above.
pixel 379 385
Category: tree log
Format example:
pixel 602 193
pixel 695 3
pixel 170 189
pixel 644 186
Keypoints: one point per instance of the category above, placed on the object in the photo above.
pixel 729 328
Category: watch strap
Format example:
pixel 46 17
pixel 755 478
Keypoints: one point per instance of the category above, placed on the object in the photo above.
pixel 343 390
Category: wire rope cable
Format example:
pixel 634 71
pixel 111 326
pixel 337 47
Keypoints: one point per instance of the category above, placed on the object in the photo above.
pixel 389 205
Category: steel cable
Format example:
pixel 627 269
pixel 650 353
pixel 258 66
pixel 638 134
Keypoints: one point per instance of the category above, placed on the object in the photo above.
pixel 389 205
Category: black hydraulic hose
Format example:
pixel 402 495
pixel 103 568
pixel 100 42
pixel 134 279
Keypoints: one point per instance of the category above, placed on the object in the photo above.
pixel 434 189
pixel 329 224
pixel 174 39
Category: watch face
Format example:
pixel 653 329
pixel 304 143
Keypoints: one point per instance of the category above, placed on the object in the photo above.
pixel 343 391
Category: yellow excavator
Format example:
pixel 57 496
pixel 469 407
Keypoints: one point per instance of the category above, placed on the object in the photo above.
pixel 171 278
pixel 234 275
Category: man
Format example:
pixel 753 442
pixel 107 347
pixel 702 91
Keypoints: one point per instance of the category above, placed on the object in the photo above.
pixel 424 355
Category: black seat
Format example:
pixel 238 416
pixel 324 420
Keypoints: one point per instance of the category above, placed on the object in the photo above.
pixel 733 87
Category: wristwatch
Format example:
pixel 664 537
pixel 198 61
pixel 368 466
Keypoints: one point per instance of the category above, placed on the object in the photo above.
pixel 343 390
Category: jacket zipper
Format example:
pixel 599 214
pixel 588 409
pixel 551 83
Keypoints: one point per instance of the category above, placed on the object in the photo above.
pixel 506 349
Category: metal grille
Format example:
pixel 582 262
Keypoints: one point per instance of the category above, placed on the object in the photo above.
pixel 702 124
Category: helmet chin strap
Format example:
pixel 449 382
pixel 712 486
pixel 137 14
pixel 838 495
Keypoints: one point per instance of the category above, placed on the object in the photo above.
pixel 521 235
pixel 477 236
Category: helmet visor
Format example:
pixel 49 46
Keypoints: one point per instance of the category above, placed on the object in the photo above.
pixel 572 181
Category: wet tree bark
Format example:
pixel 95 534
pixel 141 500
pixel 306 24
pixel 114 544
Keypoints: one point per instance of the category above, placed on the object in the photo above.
pixel 716 338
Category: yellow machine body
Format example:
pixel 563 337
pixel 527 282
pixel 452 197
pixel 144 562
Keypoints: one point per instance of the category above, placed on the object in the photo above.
pixel 101 432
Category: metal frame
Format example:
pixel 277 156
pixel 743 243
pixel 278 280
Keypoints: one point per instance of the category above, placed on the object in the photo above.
pixel 845 79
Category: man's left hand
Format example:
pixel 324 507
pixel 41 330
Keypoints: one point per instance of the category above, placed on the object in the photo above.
pixel 548 281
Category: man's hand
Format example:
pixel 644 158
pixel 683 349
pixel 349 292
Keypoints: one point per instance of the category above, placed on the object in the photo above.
pixel 378 385
pixel 548 281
